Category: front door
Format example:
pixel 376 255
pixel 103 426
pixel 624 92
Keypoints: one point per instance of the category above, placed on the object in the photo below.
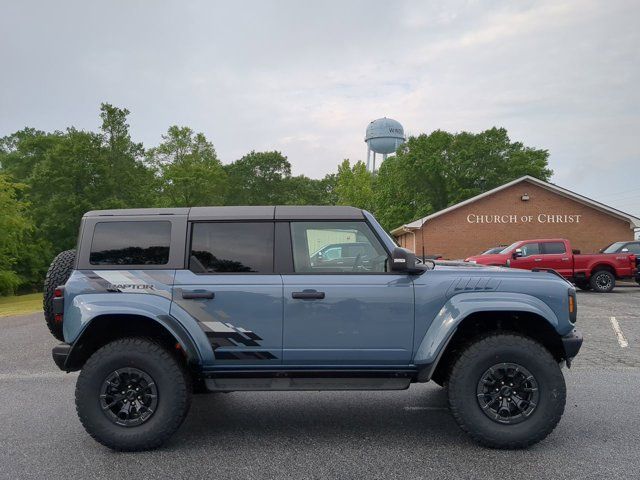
pixel 347 311
pixel 531 257
pixel 231 290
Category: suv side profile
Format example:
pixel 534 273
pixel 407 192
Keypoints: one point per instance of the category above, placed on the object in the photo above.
pixel 158 304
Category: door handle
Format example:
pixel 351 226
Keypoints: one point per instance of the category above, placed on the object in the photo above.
pixel 193 295
pixel 565 259
pixel 308 295
pixel 537 259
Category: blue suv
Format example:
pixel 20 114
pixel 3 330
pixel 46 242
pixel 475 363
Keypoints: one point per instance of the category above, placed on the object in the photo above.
pixel 157 304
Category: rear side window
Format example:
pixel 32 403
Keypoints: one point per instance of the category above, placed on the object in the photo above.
pixel 130 243
pixel 234 247
pixel 554 247
pixel 633 248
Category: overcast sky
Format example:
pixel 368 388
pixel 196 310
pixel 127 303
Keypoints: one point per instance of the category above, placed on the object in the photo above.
pixel 306 78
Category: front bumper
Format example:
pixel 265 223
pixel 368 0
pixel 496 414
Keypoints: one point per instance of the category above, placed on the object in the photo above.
pixel 60 354
pixel 571 343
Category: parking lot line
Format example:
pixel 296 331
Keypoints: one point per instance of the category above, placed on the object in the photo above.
pixel 618 331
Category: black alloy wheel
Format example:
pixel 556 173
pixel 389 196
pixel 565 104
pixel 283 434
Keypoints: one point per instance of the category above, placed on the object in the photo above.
pixel 129 397
pixel 507 393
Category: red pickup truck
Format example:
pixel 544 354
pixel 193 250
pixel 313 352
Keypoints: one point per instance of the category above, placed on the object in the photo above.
pixel 597 271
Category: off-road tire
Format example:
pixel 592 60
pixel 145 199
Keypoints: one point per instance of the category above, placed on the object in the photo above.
pixel 494 349
pixel 597 284
pixel 173 394
pixel 58 274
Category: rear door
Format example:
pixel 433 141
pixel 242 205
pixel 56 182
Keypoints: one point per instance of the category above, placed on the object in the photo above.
pixel 355 313
pixel 231 289
pixel 555 256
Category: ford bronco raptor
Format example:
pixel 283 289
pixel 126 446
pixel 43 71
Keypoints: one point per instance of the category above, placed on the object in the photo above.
pixel 157 304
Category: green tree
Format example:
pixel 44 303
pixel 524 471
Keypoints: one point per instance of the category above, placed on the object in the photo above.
pixel 432 172
pixel 13 227
pixel 354 185
pixel 190 172
pixel 259 178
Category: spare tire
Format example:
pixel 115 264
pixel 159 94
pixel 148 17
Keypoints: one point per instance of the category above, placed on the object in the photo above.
pixel 58 274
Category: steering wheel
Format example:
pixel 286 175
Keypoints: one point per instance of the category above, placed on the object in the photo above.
pixel 357 263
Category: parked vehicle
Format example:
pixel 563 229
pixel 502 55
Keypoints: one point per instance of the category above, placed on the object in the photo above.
pixel 626 247
pixel 342 256
pixel 493 250
pixel 592 271
pixel 157 304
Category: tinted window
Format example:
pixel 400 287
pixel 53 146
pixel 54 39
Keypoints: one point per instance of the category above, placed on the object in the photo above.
pixel 554 247
pixel 232 247
pixel 130 243
pixel 613 248
pixel 633 247
pixel 336 247
pixel 530 249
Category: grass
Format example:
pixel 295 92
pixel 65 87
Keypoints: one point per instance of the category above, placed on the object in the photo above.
pixel 20 304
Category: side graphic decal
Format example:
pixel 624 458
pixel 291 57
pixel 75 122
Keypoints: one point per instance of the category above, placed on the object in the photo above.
pixel 227 335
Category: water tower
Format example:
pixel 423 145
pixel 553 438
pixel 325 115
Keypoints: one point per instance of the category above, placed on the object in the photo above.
pixel 384 136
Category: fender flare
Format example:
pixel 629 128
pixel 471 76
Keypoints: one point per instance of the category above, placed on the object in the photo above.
pixel 457 309
pixel 153 308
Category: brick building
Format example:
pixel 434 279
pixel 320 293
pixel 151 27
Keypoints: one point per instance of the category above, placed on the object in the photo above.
pixel 522 209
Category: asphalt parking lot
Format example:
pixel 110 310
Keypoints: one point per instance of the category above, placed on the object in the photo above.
pixel 407 434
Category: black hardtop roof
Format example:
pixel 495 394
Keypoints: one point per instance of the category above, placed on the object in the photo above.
pixel 279 212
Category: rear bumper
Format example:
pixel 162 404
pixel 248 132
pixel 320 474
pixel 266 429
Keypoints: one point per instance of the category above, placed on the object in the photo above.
pixel 60 354
pixel 572 343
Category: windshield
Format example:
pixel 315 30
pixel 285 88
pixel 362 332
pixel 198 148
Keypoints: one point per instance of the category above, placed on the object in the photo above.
pixel 613 248
pixel 510 247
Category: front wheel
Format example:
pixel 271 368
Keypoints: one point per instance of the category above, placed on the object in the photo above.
pixel 506 391
pixel 132 394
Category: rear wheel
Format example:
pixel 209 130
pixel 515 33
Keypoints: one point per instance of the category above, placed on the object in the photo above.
pixel 132 394
pixel 57 275
pixel 602 281
pixel 506 391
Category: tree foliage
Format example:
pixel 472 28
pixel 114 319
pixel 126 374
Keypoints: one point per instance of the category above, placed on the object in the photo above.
pixel 354 185
pixel 431 172
pixel 48 180
pixel 189 169
pixel 13 228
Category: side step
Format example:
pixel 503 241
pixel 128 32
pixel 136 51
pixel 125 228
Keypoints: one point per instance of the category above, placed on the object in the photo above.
pixel 307 380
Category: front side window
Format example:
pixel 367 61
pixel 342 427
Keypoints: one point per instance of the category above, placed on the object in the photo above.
pixel 529 249
pixel 554 247
pixel 130 243
pixel 232 247
pixel 336 247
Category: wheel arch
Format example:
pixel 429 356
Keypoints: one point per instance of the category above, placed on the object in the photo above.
pixel 105 328
pixel 479 324
pixel 466 316
pixel 602 266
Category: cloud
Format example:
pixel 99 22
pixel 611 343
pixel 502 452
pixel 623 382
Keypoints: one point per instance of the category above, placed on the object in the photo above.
pixel 306 78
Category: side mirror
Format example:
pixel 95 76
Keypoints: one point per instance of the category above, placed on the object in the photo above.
pixel 624 250
pixel 517 253
pixel 402 260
